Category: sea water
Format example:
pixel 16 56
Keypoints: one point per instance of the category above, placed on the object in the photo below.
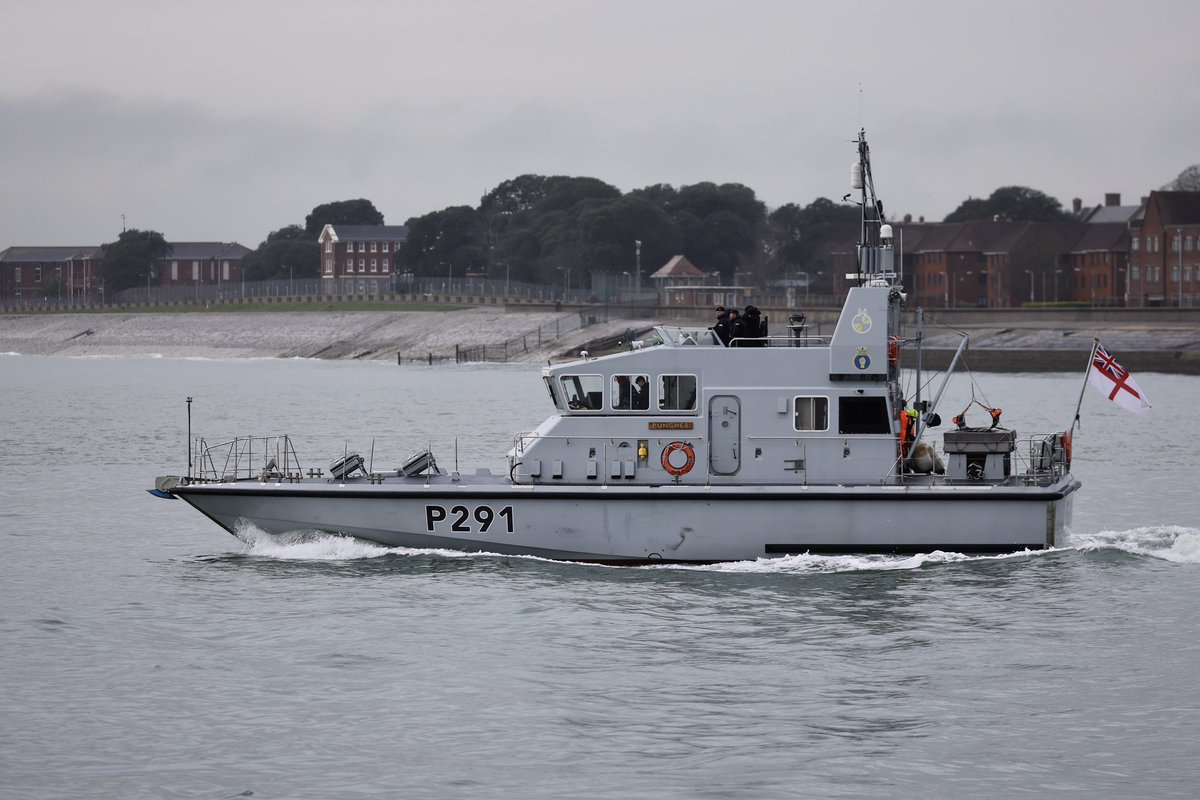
pixel 144 652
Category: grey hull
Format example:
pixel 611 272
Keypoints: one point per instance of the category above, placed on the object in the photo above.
pixel 644 524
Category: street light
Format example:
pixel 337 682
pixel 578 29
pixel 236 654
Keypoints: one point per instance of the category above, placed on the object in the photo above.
pixel 637 249
pixel 1030 284
pixel 1057 272
pixel 1179 250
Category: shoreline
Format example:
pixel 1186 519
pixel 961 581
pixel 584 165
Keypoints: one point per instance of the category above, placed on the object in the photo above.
pixel 535 337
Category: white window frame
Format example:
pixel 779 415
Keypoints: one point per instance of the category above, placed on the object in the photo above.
pixel 812 412
pixel 664 396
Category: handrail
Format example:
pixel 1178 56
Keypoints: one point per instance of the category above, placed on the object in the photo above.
pixel 239 459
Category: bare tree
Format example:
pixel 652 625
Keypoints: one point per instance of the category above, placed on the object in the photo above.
pixel 1187 181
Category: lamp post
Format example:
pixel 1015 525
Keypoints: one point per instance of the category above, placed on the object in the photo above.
pixel 806 284
pixel 1030 273
pixel 946 289
pixel 149 277
pixel 1179 250
pixel 1057 272
pixel 291 285
pixel 637 254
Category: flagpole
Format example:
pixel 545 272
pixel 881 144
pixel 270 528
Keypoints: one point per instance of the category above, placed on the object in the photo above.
pixel 1083 388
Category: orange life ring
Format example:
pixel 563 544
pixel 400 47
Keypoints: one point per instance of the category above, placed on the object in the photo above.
pixel 670 450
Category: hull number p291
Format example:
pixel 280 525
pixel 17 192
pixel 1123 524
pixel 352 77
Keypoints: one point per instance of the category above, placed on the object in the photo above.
pixel 464 520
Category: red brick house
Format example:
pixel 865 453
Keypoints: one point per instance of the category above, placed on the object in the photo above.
pixel 204 263
pixel 358 259
pixel 1164 251
pixel 1097 266
pixel 31 274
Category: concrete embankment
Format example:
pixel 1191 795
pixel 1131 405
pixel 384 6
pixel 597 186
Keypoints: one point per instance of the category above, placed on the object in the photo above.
pixel 1011 344
pixel 376 335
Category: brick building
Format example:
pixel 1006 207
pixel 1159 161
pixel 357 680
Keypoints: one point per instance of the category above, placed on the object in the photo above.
pixel 1005 264
pixel 359 259
pixel 1164 251
pixel 31 274
pixel 203 263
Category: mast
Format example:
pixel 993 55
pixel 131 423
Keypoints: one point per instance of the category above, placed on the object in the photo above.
pixel 876 257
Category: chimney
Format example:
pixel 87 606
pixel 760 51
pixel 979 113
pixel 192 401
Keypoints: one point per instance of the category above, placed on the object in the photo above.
pixel 1077 205
pixel 1112 199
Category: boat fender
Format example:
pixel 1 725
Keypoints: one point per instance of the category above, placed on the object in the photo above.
pixel 670 467
pixel 961 419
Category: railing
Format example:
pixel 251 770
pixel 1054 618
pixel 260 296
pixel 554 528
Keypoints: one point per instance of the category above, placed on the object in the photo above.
pixel 245 458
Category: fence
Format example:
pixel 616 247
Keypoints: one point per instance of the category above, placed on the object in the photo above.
pixel 310 289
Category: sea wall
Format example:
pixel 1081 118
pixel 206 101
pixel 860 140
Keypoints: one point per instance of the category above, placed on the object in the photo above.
pixel 1036 343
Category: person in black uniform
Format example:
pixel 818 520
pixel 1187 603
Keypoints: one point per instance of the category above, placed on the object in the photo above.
pixel 641 394
pixel 722 326
pixel 737 330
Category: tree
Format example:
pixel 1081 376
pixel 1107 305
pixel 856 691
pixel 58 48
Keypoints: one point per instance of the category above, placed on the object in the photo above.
pixel 609 231
pixel 804 239
pixel 514 195
pixel 452 238
pixel 342 212
pixel 128 261
pixel 1186 181
pixel 720 225
pixel 1011 204
pixel 289 246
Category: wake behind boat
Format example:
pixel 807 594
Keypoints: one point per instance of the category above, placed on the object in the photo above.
pixel 690 448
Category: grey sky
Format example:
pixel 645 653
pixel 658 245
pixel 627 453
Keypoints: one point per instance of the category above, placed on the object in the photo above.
pixel 223 120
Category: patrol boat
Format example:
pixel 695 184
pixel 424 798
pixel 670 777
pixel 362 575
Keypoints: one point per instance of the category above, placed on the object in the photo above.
pixel 685 449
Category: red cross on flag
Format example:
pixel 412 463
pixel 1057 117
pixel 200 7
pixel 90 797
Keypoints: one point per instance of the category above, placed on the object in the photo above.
pixel 1111 378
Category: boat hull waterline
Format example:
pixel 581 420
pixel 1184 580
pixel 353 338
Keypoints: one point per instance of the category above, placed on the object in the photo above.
pixel 661 524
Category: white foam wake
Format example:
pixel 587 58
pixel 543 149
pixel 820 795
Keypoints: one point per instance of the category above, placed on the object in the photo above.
pixel 1168 542
pixel 321 546
pixel 815 564
pixel 306 545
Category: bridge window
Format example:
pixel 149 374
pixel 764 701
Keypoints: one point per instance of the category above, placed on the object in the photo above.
pixel 583 392
pixel 863 415
pixel 677 392
pixel 812 413
pixel 630 392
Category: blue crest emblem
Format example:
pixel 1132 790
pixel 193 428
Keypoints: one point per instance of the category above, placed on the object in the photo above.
pixel 862 360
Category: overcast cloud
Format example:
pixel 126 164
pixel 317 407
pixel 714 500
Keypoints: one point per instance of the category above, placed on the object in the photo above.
pixel 227 119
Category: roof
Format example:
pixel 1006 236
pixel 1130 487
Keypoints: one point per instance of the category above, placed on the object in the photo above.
pixel 1107 214
pixel 936 238
pixel 987 237
pixel 201 250
pixel 1177 208
pixel 378 233
pixel 34 254
pixel 1052 237
pixel 678 267
pixel 1106 236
